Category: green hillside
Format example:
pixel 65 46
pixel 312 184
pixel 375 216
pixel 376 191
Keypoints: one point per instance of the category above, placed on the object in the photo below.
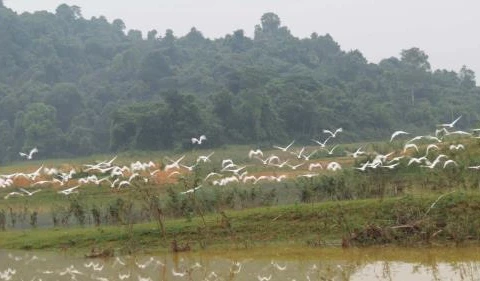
pixel 73 86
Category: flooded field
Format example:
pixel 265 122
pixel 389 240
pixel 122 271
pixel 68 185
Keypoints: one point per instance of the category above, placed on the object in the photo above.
pixel 263 264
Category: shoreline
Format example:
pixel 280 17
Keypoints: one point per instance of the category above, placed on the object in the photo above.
pixel 410 220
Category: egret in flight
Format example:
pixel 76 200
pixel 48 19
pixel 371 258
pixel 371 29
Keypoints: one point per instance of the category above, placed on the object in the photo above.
pixel 30 154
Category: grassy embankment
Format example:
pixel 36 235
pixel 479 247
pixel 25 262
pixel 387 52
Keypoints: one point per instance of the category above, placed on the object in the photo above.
pixel 406 206
pixel 407 220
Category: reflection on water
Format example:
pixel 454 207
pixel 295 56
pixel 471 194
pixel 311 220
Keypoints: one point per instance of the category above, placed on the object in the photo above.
pixel 264 264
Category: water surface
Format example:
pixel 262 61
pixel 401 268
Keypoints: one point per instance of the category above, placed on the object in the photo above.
pixel 263 264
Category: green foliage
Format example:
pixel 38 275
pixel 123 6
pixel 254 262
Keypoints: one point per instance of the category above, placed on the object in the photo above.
pixel 72 86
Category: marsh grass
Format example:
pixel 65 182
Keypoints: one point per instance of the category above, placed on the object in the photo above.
pixel 376 206
pixel 404 220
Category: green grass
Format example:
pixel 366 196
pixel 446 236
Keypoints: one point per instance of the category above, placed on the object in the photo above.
pixel 455 217
pixel 384 206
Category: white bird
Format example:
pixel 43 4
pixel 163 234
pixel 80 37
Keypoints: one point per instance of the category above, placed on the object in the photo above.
pixel 30 154
pixel 284 149
pixel 417 160
pixel 410 145
pixel 439 131
pixel 450 125
pixel 366 165
pixel 322 144
pixel 192 190
pixel 449 162
pixel 211 175
pixel 307 157
pixel 390 166
pixel 148 263
pixel 42 182
pixel 140 278
pixel 431 146
pixel 435 162
pixel 226 162
pixel 457 147
pixel 396 159
pixel 70 190
pixel 122 183
pixel 307 175
pixel 278 178
pixel 152 173
pixel 264 278
pixel 334 166
pixel 276 265
pixel 330 152
pixel 299 154
pixel 397 133
pixel 174 164
pixel 279 165
pixel 475 167
pixel 314 165
pixel 249 178
pixel 189 168
pixel 204 158
pixel 199 140
pixel 261 178
pixel 459 133
pixel 124 276
pixel 357 153
pixel 256 152
pixel 30 193
pixel 236 171
pixel 12 194
pixel 179 274
pixel 334 134
pixel 294 167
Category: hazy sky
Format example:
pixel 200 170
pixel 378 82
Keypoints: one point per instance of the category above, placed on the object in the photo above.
pixel 445 29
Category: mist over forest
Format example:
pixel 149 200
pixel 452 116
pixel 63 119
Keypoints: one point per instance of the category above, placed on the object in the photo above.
pixel 73 86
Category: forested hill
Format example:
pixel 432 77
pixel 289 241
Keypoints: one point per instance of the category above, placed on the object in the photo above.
pixel 74 86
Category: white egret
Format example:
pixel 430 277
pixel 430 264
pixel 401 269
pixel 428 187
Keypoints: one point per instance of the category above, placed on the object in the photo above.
pixel 284 149
pixel 397 133
pixel 70 190
pixel 30 193
pixel 334 134
pixel 199 140
pixel 322 144
pixel 30 154
pixel 257 153
pixel 450 125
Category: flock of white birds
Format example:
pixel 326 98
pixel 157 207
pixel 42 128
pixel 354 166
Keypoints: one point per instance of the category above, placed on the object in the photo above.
pixel 289 162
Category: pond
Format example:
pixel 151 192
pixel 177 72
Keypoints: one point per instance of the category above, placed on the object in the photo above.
pixel 261 263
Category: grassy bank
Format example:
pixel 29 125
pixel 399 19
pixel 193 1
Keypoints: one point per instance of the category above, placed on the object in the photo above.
pixel 448 217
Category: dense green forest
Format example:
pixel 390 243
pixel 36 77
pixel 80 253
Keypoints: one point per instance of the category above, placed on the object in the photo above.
pixel 73 86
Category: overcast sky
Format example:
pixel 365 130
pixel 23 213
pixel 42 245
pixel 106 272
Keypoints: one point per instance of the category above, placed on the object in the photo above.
pixel 445 29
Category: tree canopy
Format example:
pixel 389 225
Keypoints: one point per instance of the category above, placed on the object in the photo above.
pixel 75 86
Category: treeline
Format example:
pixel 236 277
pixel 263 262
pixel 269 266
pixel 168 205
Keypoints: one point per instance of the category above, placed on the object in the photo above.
pixel 74 86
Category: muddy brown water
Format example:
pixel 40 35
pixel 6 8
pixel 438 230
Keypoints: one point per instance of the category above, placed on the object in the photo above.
pixel 263 264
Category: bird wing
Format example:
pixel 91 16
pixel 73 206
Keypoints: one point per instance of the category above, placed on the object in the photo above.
pixel 328 132
pixel 455 121
pixel 34 150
